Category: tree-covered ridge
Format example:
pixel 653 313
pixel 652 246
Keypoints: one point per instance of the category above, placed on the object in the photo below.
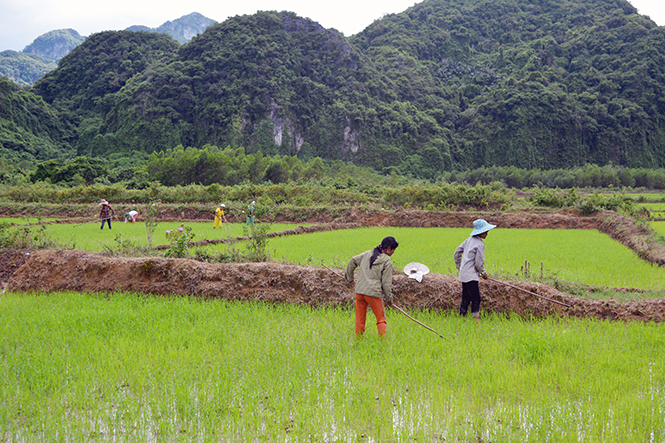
pixel 30 130
pixel 24 69
pixel 533 84
pixel 101 66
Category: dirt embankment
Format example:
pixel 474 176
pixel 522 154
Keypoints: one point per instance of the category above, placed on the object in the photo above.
pixel 313 286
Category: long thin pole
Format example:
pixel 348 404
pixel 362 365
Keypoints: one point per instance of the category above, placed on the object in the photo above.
pixel 529 292
pixel 333 271
pixel 393 305
pixel 408 316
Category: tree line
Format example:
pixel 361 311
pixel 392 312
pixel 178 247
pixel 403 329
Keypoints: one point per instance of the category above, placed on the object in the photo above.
pixel 212 165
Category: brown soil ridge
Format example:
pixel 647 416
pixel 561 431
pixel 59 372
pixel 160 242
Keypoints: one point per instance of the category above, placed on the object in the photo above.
pixel 53 270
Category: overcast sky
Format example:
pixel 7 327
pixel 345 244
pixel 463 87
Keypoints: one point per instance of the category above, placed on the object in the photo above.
pixel 21 21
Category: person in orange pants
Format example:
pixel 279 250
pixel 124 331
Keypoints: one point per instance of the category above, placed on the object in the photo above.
pixel 373 285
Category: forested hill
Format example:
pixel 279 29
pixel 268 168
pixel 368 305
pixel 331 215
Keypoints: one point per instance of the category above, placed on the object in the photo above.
pixel 272 82
pixel 531 83
pixel 445 85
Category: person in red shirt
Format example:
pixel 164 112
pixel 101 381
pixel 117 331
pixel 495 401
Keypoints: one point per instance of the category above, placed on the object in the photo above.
pixel 106 213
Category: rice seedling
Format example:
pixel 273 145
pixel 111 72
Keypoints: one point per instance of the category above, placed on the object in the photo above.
pixel 126 367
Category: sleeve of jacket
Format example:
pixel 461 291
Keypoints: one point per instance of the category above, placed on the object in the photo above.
pixel 351 267
pixel 480 260
pixel 387 281
pixel 458 255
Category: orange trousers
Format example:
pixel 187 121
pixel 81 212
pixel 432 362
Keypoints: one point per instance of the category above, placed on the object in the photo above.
pixel 362 301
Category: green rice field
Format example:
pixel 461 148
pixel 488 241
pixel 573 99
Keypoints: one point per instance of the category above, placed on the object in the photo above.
pixel 646 196
pixel 128 368
pixel 89 236
pixel 572 255
pixel 25 220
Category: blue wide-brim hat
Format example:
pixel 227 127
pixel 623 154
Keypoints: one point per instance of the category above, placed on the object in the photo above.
pixel 480 226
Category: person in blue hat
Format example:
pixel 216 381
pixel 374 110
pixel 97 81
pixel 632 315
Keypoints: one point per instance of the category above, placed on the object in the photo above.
pixel 470 261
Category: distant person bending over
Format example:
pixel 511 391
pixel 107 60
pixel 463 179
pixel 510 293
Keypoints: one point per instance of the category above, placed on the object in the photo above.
pixel 220 217
pixel 374 283
pixel 470 261
pixel 106 213
pixel 131 216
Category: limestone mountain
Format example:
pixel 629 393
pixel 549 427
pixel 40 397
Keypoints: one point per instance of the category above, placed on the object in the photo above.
pixel 55 44
pixel 86 80
pixel 181 29
pixel 43 54
pixel 543 84
pixel 30 129
pixel 273 82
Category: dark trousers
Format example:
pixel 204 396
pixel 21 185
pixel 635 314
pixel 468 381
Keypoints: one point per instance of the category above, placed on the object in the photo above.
pixel 470 294
pixel 106 220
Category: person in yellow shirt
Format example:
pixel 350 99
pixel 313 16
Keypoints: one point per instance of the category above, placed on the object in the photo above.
pixel 219 216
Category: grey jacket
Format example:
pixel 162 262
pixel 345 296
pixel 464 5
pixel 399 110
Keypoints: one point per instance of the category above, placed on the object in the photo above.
pixel 376 282
pixel 470 259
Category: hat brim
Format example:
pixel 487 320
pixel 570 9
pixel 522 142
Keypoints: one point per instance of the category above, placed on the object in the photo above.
pixel 485 228
pixel 415 268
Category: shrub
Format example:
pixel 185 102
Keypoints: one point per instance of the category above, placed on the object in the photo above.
pixel 179 239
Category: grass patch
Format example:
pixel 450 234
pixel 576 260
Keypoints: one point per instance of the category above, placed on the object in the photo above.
pixel 657 210
pixel 125 367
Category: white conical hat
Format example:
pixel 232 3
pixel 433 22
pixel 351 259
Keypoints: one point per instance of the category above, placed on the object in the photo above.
pixel 416 270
